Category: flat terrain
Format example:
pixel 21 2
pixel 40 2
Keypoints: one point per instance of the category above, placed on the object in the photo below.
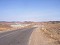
pixel 43 34
pixel 4 27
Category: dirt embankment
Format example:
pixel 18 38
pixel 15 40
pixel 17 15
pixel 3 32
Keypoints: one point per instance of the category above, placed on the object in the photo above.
pixel 53 31
pixel 46 35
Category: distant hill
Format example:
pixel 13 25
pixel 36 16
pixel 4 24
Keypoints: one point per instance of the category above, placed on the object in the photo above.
pixel 54 22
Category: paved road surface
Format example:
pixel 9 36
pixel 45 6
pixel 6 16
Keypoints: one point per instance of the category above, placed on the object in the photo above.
pixel 16 37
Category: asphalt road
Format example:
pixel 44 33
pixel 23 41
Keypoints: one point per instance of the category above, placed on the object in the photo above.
pixel 16 37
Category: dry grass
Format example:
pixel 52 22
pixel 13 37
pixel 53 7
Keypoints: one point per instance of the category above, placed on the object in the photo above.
pixel 52 31
pixel 4 27
pixel 38 37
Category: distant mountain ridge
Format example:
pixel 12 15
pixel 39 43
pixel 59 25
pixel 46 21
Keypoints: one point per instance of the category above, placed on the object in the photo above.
pixel 53 22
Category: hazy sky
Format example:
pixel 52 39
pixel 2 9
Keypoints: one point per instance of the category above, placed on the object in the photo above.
pixel 30 10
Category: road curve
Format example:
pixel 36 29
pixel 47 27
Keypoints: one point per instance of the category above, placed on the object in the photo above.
pixel 17 37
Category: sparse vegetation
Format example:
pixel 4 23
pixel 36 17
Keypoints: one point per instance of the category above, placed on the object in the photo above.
pixel 4 27
pixel 52 30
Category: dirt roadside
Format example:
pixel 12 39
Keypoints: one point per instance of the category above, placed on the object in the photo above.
pixel 39 38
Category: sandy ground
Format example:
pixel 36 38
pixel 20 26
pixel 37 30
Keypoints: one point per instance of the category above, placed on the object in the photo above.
pixel 39 38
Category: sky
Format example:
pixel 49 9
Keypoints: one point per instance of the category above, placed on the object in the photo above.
pixel 29 10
